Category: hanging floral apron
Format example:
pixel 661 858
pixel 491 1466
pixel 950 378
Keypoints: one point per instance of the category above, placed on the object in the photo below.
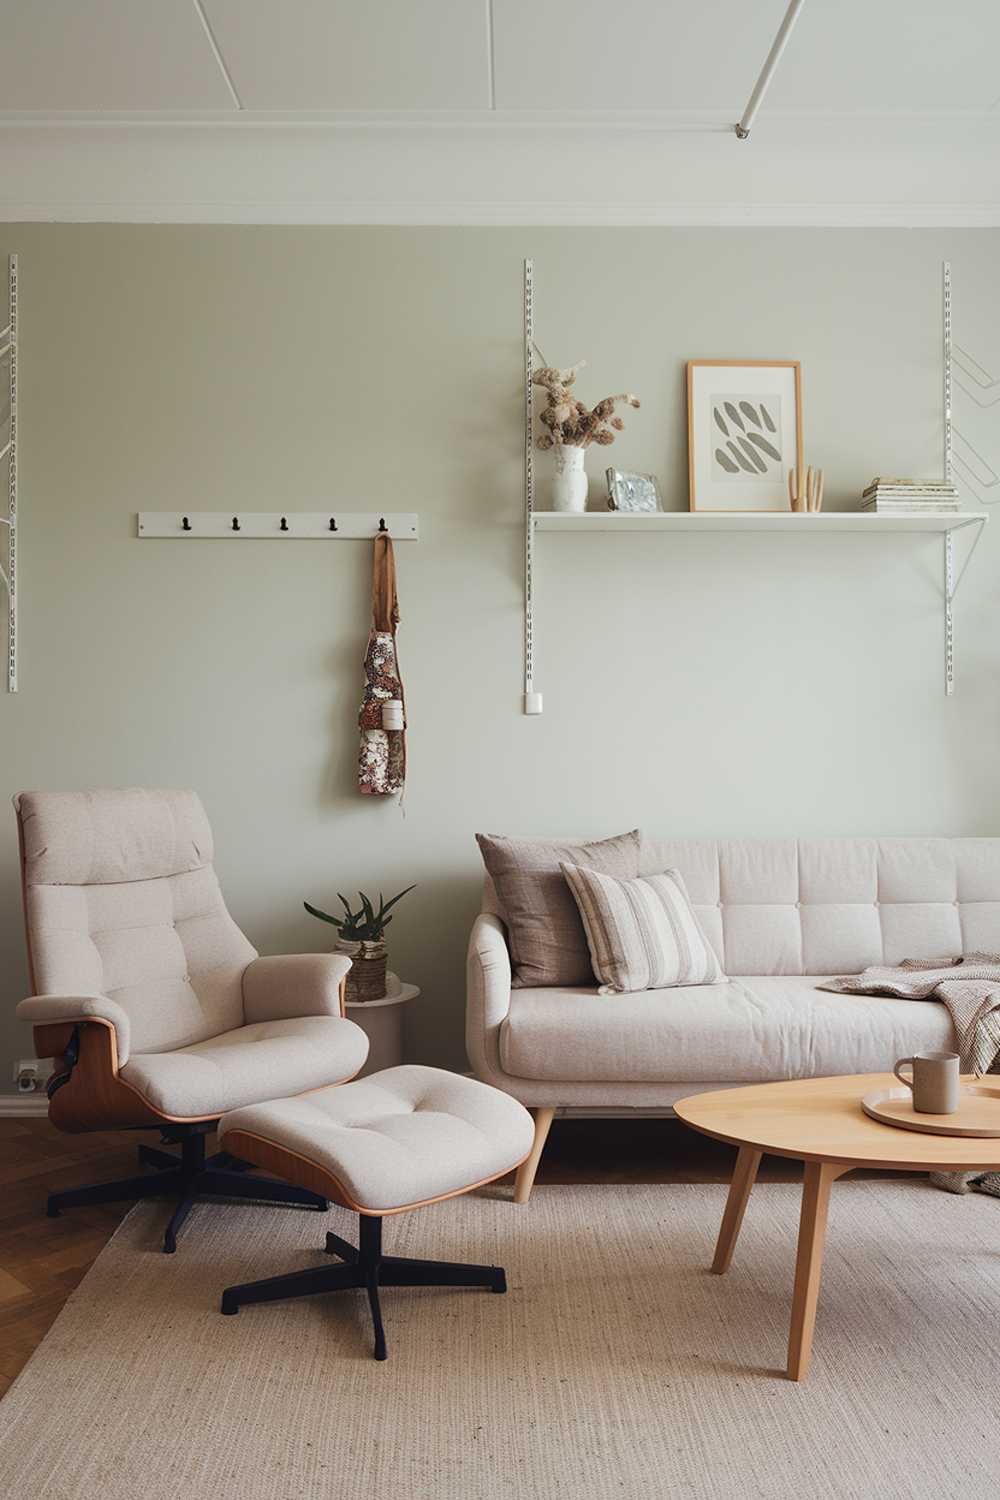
pixel 382 758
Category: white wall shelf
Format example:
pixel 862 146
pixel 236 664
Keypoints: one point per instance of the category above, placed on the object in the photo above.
pixel 279 526
pixel 706 522
pixel 788 523
pixel 762 523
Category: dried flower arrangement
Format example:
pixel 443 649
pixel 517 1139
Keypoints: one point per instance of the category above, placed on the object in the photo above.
pixel 568 421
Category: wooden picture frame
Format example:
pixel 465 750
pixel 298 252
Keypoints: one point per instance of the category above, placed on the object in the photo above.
pixel 744 433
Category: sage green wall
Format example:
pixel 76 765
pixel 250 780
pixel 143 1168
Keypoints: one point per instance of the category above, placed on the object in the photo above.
pixel 692 685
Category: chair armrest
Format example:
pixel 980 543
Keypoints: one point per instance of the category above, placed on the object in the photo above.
pixel 288 985
pixel 487 994
pixel 51 1010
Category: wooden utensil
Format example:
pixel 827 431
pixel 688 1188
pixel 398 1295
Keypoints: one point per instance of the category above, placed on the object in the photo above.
pixel 805 492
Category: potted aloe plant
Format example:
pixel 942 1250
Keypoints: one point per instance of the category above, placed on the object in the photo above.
pixel 361 935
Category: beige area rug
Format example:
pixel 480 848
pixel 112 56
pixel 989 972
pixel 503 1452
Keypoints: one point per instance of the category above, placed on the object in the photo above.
pixel 616 1365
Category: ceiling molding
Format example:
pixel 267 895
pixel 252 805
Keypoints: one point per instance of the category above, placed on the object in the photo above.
pixel 511 215
pixel 612 170
pixel 778 126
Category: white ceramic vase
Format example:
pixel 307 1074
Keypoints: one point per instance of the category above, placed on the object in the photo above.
pixel 569 484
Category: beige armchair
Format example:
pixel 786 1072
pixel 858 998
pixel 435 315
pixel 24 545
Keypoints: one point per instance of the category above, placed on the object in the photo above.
pixel 157 1008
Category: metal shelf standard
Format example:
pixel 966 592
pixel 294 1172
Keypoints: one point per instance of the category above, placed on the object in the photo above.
pixel 8 454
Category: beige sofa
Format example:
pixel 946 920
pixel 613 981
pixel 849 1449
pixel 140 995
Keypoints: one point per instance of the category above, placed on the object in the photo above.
pixel 781 914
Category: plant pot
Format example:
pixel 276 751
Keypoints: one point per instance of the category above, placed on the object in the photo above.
pixel 366 976
pixel 569 483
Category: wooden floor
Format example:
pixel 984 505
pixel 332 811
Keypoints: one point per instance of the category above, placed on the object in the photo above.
pixel 42 1260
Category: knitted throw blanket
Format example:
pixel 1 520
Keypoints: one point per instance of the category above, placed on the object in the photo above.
pixel 970 987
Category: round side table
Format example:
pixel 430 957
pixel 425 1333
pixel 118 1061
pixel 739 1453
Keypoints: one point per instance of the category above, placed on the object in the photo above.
pixel 382 1023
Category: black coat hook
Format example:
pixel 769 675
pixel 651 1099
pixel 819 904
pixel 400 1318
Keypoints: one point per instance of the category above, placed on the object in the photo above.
pixel 333 523
pixel 236 523
pixel 185 524
pixel 381 524
pixel 284 524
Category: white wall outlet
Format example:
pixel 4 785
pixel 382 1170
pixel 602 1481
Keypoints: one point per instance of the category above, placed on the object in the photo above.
pixel 31 1074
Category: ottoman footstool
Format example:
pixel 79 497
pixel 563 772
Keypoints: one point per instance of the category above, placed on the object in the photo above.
pixel 394 1141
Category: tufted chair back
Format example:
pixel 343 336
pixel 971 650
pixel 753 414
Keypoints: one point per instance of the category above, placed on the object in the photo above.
pixel 120 899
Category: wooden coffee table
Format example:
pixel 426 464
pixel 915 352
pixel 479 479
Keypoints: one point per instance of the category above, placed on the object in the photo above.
pixel 818 1121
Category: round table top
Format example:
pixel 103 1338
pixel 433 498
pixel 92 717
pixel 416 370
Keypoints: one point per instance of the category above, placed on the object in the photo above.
pixel 395 997
pixel 820 1119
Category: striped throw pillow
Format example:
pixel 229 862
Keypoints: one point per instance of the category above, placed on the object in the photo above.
pixel 642 934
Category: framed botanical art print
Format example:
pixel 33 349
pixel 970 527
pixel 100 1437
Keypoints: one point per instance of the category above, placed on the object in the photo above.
pixel 744 432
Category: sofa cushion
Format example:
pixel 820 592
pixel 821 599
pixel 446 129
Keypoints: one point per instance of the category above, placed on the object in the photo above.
pixel 642 933
pixel 823 906
pixel 249 1065
pixel 547 941
pixel 751 1030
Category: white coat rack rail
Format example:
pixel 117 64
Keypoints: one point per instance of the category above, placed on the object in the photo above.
pixel 279 525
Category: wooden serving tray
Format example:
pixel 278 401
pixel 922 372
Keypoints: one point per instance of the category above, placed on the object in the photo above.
pixel 978 1112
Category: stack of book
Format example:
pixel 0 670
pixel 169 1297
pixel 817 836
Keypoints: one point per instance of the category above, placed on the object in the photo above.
pixel 895 497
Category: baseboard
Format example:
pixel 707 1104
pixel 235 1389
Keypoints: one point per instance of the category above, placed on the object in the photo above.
pixel 13 1106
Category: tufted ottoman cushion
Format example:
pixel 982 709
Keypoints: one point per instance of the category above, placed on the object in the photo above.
pixel 392 1141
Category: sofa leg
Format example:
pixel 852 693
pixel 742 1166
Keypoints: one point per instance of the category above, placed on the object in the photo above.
pixel 525 1179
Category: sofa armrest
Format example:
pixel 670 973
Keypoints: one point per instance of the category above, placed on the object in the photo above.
pixel 289 985
pixel 52 1010
pixel 488 979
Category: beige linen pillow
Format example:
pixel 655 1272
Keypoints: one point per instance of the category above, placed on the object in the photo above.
pixel 643 933
pixel 548 945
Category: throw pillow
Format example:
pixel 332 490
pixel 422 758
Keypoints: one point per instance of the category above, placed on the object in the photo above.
pixel 548 945
pixel 643 934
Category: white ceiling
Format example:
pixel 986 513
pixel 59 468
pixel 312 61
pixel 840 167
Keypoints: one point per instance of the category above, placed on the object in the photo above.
pixel 487 111
pixel 706 54
pixel 296 56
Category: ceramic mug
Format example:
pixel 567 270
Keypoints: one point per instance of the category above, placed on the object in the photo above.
pixel 934 1083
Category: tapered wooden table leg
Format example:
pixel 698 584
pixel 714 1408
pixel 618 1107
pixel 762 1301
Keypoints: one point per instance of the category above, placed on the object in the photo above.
pixel 819 1178
pixel 744 1177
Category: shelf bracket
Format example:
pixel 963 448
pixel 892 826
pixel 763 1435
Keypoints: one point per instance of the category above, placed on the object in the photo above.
pixel 952 580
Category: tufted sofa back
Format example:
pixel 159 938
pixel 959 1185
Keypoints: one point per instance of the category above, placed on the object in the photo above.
pixel 834 906
pixel 120 899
